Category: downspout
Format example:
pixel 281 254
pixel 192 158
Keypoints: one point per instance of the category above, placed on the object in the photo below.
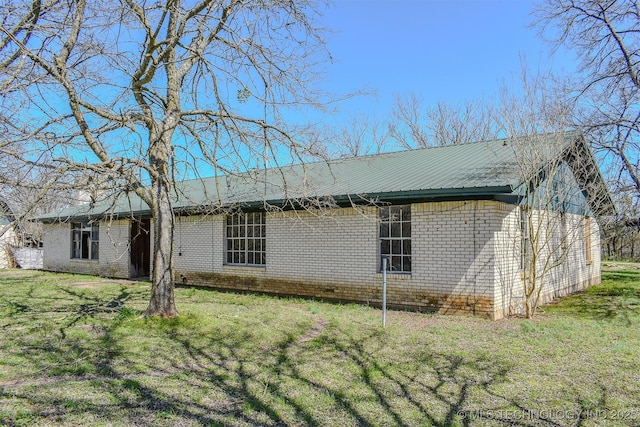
pixel 384 292
pixel 475 257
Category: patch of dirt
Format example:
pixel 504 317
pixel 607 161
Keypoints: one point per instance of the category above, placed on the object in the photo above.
pixel 317 328
pixel 83 285
pixel 320 324
pixel 95 285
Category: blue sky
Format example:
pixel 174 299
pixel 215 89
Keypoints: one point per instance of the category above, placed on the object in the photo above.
pixel 441 50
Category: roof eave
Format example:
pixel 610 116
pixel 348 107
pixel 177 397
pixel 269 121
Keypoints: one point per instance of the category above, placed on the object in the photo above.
pixel 503 193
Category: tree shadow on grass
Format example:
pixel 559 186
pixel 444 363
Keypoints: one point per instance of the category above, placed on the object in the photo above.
pixel 318 375
pixel 221 380
pixel 588 407
pixel 275 387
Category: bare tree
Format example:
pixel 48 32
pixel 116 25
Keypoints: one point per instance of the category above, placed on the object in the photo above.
pixel 360 135
pixel 414 125
pixel 134 96
pixel 561 189
pixel 621 235
pixel 552 217
pixel 606 36
pixel 26 189
pixel 407 125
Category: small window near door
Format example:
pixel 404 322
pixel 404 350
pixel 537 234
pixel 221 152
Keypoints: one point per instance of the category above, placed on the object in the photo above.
pixel 85 240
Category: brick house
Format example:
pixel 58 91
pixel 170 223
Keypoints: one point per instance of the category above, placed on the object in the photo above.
pixel 447 219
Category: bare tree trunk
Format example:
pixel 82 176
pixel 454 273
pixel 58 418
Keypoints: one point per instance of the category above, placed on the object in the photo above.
pixel 162 301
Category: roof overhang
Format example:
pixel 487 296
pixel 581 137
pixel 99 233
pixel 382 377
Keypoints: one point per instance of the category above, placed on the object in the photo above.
pixel 500 193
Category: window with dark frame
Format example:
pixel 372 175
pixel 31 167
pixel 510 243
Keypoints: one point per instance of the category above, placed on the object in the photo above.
pixel 85 240
pixel 395 238
pixel 245 239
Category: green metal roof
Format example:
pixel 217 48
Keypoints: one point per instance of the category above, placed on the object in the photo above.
pixel 480 169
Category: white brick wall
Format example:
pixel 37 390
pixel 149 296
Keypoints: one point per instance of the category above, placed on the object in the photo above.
pixel 328 252
pixel 453 249
pixel 572 272
pixel 114 248
pixel 508 287
pixel 56 241
pixel 196 242
pixel 465 256
pixel 113 257
pixel 337 245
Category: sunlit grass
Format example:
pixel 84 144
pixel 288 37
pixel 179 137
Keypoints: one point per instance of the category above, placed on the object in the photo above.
pixel 616 299
pixel 75 351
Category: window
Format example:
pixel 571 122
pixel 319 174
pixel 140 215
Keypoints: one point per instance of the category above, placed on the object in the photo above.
pixel 395 238
pixel 85 243
pixel 246 238
pixel 587 239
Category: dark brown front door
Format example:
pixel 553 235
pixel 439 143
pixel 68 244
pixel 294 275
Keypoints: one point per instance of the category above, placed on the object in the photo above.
pixel 140 265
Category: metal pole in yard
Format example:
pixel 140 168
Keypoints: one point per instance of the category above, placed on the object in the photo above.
pixel 384 292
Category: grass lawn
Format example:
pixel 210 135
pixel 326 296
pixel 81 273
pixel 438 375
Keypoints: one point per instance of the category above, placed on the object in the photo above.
pixel 74 351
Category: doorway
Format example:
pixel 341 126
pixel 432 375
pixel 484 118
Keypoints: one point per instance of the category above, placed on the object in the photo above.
pixel 140 265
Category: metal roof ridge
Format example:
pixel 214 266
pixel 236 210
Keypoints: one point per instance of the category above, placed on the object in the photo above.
pixel 343 160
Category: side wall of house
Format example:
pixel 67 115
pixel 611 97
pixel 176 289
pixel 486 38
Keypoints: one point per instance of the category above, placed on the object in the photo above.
pixel 334 255
pixel 508 291
pixel 454 254
pixel 113 260
pixel 567 258
pixel 7 237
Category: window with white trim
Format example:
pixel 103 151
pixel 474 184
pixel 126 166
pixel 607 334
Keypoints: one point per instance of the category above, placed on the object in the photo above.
pixel 395 238
pixel 85 240
pixel 245 239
